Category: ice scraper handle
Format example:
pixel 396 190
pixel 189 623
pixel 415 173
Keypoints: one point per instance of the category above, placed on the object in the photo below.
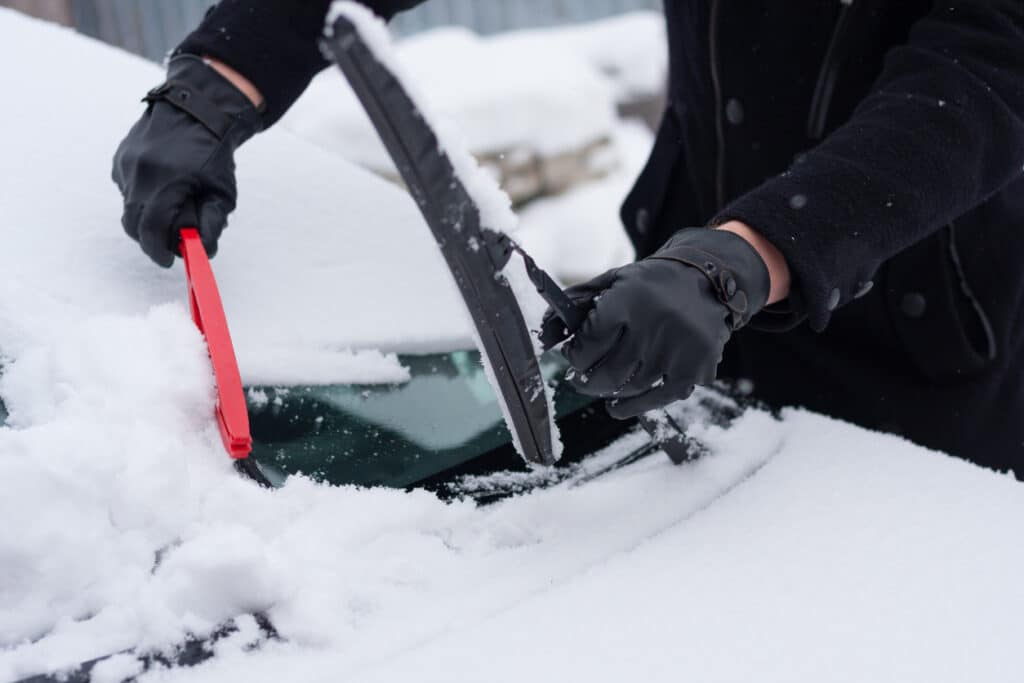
pixel 208 314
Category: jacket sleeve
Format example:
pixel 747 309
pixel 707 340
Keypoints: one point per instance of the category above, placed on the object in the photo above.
pixel 273 43
pixel 941 132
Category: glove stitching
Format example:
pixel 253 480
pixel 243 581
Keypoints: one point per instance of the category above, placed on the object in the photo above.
pixel 637 366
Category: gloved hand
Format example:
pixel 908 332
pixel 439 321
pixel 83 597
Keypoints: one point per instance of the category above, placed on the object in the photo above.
pixel 176 168
pixel 658 326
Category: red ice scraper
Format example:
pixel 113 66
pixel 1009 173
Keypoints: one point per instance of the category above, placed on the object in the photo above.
pixel 208 314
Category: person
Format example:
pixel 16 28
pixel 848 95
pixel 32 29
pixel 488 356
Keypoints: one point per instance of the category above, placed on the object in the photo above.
pixel 851 172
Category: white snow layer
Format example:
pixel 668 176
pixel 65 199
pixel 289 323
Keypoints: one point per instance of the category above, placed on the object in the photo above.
pixel 629 49
pixel 803 550
pixel 320 259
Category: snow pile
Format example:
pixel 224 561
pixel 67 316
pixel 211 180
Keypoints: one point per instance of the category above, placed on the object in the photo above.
pixel 110 424
pixel 500 93
pixel 630 50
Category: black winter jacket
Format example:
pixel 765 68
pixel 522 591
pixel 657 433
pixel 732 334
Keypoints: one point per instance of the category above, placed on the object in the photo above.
pixel 878 144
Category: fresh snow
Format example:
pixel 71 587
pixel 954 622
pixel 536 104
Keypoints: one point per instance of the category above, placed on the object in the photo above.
pixel 803 549
pixel 548 95
pixel 637 65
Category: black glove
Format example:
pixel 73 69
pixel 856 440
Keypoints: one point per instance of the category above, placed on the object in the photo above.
pixel 176 168
pixel 658 326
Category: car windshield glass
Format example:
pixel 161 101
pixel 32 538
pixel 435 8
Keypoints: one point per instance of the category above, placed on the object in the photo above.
pixel 395 435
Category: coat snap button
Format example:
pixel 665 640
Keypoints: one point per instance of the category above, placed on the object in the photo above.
pixel 729 285
pixel 833 299
pixel 863 288
pixel 913 304
pixel 643 219
pixel 734 111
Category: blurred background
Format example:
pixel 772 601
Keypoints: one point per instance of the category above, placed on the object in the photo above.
pixel 152 27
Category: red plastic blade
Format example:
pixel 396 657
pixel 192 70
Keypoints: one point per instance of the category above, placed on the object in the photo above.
pixel 208 314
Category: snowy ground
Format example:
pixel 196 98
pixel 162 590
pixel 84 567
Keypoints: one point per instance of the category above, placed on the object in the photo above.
pixel 803 550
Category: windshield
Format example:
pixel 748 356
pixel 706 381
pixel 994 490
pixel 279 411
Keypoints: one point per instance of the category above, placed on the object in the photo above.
pixel 446 415
pixel 395 435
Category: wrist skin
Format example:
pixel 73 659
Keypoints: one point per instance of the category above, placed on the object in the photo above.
pixel 236 79
pixel 778 269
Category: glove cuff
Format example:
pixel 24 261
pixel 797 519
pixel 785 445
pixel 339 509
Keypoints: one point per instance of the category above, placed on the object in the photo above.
pixel 202 93
pixel 737 273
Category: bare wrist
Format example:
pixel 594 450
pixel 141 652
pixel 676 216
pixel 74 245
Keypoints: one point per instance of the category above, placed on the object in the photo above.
pixel 774 261
pixel 236 79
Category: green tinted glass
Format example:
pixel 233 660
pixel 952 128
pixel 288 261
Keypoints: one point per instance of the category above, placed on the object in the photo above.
pixel 396 435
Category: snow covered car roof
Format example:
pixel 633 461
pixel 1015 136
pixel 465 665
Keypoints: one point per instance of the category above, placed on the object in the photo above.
pixel 320 258
pixel 802 549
